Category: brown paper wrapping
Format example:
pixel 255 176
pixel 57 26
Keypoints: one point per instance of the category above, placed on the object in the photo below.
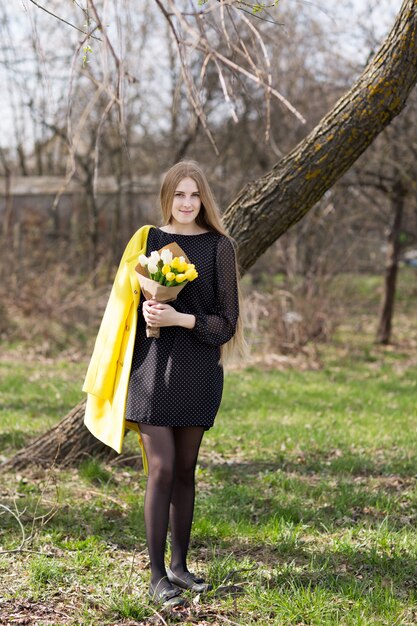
pixel 151 289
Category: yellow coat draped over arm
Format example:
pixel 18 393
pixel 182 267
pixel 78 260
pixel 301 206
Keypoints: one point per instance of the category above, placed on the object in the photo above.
pixel 107 377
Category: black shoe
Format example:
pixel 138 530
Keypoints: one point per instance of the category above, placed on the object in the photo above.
pixel 166 595
pixel 189 581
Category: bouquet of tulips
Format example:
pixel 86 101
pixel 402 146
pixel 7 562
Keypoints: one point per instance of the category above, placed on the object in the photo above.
pixel 163 275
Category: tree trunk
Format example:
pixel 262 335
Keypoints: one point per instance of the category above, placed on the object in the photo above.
pixel 383 335
pixel 267 207
pixel 93 215
pixel 65 444
pixel 116 213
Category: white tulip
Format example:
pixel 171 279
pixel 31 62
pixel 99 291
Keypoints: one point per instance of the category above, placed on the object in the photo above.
pixel 166 256
pixel 143 260
pixel 182 259
pixel 155 256
pixel 152 267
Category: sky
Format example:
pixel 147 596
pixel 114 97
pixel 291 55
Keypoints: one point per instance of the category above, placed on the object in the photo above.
pixel 346 19
pixel 343 20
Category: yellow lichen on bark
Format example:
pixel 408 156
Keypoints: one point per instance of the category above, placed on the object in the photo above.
pixel 395 104
pixel 313 174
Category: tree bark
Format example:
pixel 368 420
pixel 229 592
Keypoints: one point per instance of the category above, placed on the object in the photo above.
pixel 65 444
pixel 267 207
pixel 398 196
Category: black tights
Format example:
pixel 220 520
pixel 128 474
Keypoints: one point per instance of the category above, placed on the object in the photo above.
pixel 172 457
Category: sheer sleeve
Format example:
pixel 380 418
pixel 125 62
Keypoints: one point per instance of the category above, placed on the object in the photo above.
pixel 218 328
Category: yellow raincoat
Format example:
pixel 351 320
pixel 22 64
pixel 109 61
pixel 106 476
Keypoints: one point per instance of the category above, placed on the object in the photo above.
pixel 107 378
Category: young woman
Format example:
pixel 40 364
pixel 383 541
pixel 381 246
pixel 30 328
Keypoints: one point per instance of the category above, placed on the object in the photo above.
pixel 175 381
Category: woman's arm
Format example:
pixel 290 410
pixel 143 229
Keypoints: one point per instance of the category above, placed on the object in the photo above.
pixel 218 328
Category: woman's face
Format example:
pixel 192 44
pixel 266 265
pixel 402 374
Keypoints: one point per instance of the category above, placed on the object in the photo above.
pixel 186 203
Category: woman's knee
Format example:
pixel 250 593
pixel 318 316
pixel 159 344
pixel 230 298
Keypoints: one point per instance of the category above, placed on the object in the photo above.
pixel 161 472
pixel 184 472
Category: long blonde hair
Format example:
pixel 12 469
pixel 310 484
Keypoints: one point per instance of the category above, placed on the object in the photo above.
pixel 209 218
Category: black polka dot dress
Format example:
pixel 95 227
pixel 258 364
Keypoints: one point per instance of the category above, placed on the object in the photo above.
pixel 175 379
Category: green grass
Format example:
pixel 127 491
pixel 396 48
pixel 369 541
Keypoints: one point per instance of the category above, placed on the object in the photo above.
pixel 92 471
pixel 362 292
pixel 34 395
pixel 306 510
pixel 44 572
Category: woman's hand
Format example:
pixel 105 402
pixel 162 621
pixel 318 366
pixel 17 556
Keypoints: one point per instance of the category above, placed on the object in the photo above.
pixel 159 314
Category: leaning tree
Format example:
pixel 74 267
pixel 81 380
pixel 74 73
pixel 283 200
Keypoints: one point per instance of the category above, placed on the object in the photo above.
pixel 266 208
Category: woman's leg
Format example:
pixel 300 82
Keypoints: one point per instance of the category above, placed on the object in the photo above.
pixel 187 444
pixel 159 446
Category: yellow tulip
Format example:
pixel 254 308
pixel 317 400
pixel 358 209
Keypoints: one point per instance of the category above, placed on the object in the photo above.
pixel 166 268
pixel 190 266
pixel 170 276
pixel 180 278
pixel 191 275
pixel 175 263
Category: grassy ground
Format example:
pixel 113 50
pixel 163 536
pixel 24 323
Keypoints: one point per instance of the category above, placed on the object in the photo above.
pixel 306 509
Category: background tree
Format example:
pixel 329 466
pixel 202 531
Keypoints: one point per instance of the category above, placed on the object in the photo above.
pixel 390 173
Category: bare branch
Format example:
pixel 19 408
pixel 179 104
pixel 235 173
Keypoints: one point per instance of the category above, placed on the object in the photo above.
pixel 17 518
pixel 192 92
pixel 199 42
pixel 61 19
pixel 268 66
pixel 225 92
